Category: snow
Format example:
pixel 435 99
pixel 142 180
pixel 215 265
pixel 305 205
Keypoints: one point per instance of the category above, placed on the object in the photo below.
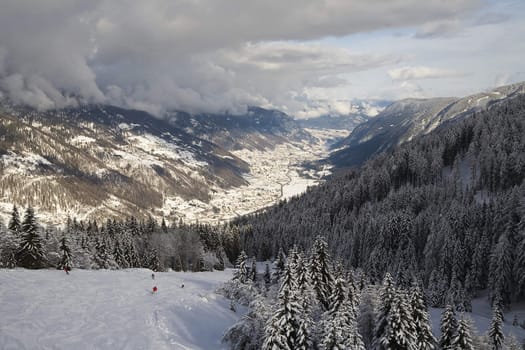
pixel 82 139
pixel 24 163
pixel 87 309
pixel 298 187
pixel 275 174
pixel 482 315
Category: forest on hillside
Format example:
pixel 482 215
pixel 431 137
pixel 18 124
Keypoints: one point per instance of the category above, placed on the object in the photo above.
pixel 127 243
pixel 446 209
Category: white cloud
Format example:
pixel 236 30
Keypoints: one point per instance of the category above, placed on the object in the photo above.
pixel 202 55
pixel 420 72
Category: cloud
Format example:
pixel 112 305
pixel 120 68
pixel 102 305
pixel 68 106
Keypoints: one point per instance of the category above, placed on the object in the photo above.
pixel 415 73
pixel 439 29
pixel 202 55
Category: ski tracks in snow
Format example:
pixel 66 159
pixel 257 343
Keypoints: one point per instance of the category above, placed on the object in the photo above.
pixel 48 309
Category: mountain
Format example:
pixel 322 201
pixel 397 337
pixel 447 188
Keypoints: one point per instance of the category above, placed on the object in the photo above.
pixel 406 119
pixel 258 129
pixel 446 208
pixel 101 161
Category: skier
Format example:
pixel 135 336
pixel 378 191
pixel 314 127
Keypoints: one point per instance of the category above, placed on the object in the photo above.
pixel 182 286
pixel 152 276
pixel 66 270
pixel 154 290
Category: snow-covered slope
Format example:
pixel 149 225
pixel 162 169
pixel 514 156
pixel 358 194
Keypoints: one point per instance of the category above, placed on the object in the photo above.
pixel 112 310
pixel 406 119
pixel 481 316
pixel 99 162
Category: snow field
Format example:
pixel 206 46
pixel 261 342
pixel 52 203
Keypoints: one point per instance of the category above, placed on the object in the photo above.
pixel 104 309
pixel 481 316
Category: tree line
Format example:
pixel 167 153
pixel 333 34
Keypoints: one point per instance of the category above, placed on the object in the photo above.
pixel 128 243
pixel 312 302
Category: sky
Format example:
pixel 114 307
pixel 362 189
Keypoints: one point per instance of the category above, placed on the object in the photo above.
pixel 304 57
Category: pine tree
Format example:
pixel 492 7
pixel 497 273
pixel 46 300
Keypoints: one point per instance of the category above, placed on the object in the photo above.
pixel 119 256
pixel 339 326
pixel 66 262
pixel 31 252
pixel 519 266
pixel 102 258
pixel 9 245
pixel 501 264
pixel 400 333
pixel 242 271
pixel 449 327
pixel 386 299
pixel 287 329
pixel 14 222
pixel 279 266
pixel 267 275
pixel 153 262
pixel 253 270
pixel 320 274
pixel 463 339
pixel 423 329
pixel 512 343
pixel 367 315
pixel 496 328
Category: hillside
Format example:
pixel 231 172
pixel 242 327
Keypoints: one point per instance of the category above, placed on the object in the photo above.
pixel 404 120
pixel 446 208
pixel 99 162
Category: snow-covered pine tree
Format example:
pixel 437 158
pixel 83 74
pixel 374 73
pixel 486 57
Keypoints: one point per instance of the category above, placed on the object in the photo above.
pixel 339 326
pixel 449 327
pixel 495 332
pixel 519 266
pixel 253 270
pixel 400 332
pixel 102 257
pixel 66 261
pixel 130 251
pixel 386 297
pixel 366 320
pixel 511 343
pixel 320 274
pixel 267 275
pixel 500 275
pixel 278 266
pixel 353 295
pixel 153 262
pixel 119 256
pixel 248 333
pixel 423 328
pixel 463 338
pixel 14 222
pixel 242 272
pixel 303 282
pixel 287 328
pixel 31 252
pixel 9 245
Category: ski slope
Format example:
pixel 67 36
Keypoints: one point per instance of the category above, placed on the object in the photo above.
pixel 87 309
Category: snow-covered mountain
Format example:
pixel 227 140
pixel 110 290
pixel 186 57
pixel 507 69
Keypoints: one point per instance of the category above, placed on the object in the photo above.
pixel 258 129
pixel 403 120
pixel 104 161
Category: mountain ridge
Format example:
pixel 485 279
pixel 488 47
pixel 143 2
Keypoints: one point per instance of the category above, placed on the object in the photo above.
pixel 406 119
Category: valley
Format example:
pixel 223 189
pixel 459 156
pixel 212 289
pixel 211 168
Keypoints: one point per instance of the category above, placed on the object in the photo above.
pixel 275 174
